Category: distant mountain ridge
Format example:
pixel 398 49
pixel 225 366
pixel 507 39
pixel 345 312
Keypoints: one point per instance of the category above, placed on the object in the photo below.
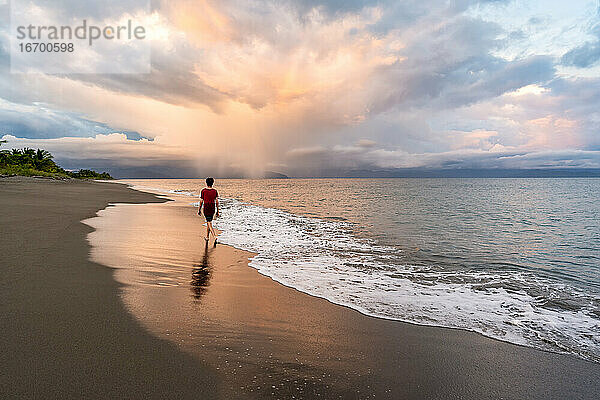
pixel 189 172
pixel 274 175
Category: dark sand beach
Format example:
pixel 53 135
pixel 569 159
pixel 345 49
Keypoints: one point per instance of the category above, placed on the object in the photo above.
pixel 215 328
pixel 65 332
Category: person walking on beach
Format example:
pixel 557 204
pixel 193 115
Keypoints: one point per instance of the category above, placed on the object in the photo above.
pixel 209 198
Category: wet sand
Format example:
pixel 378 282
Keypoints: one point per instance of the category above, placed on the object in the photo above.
pixel 186 320
pixel 65 331
pixel 270 341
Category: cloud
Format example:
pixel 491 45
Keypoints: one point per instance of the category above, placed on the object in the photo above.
pixel 118 155
pixel 115 147
pixel 496 157
pixel 450 65
pixel 583 56
pixel 587 54
pixel 37 121
pixel 313 86
pixel 75 9
pixel 126 158
pixel 305 54
pixel 366 143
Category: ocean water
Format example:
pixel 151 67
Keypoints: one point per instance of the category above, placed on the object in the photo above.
pixel 514 259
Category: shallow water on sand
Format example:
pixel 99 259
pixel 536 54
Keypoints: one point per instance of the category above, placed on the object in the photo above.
pixel 263 339
pixel 514 259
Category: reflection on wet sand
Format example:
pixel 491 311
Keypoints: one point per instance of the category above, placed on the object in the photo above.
pixel 268 341
pixel 201 275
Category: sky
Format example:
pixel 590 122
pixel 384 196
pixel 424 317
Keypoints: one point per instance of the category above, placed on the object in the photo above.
pixel 320 88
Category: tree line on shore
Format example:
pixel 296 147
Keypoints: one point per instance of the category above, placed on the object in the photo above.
pixel 40 162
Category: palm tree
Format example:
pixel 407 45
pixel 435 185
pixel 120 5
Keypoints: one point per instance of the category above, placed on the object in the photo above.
pixel 43 160
pixel 23 157
pixel 16 155
pixel 28 156
pixel 29 152
pixel 3 154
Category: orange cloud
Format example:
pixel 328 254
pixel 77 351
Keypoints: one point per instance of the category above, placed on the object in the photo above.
pixel 201 20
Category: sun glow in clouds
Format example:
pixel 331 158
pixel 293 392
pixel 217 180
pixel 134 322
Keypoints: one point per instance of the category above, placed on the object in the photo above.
pixel 255 83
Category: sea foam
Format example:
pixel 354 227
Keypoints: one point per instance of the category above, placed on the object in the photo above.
pixel 324 258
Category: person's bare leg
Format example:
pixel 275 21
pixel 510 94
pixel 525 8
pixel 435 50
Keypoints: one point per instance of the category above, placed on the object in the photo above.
pixel 209 224
pixel 207 231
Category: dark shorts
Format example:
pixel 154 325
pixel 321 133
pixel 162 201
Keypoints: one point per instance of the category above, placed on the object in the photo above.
pixel 209 212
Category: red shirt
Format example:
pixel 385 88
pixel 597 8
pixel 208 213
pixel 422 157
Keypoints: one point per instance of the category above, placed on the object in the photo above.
pixel 209 195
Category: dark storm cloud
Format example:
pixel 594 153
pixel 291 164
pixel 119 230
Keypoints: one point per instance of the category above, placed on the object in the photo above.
pixel 443 68
pixel 424 76
pixel 452 66
pixel 501 77
pixel 171 80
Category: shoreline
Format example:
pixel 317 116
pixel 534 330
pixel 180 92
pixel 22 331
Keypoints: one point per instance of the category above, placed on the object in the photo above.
pixel 65 331
pixel 239 305
pixel 85 341
pixel 183 195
